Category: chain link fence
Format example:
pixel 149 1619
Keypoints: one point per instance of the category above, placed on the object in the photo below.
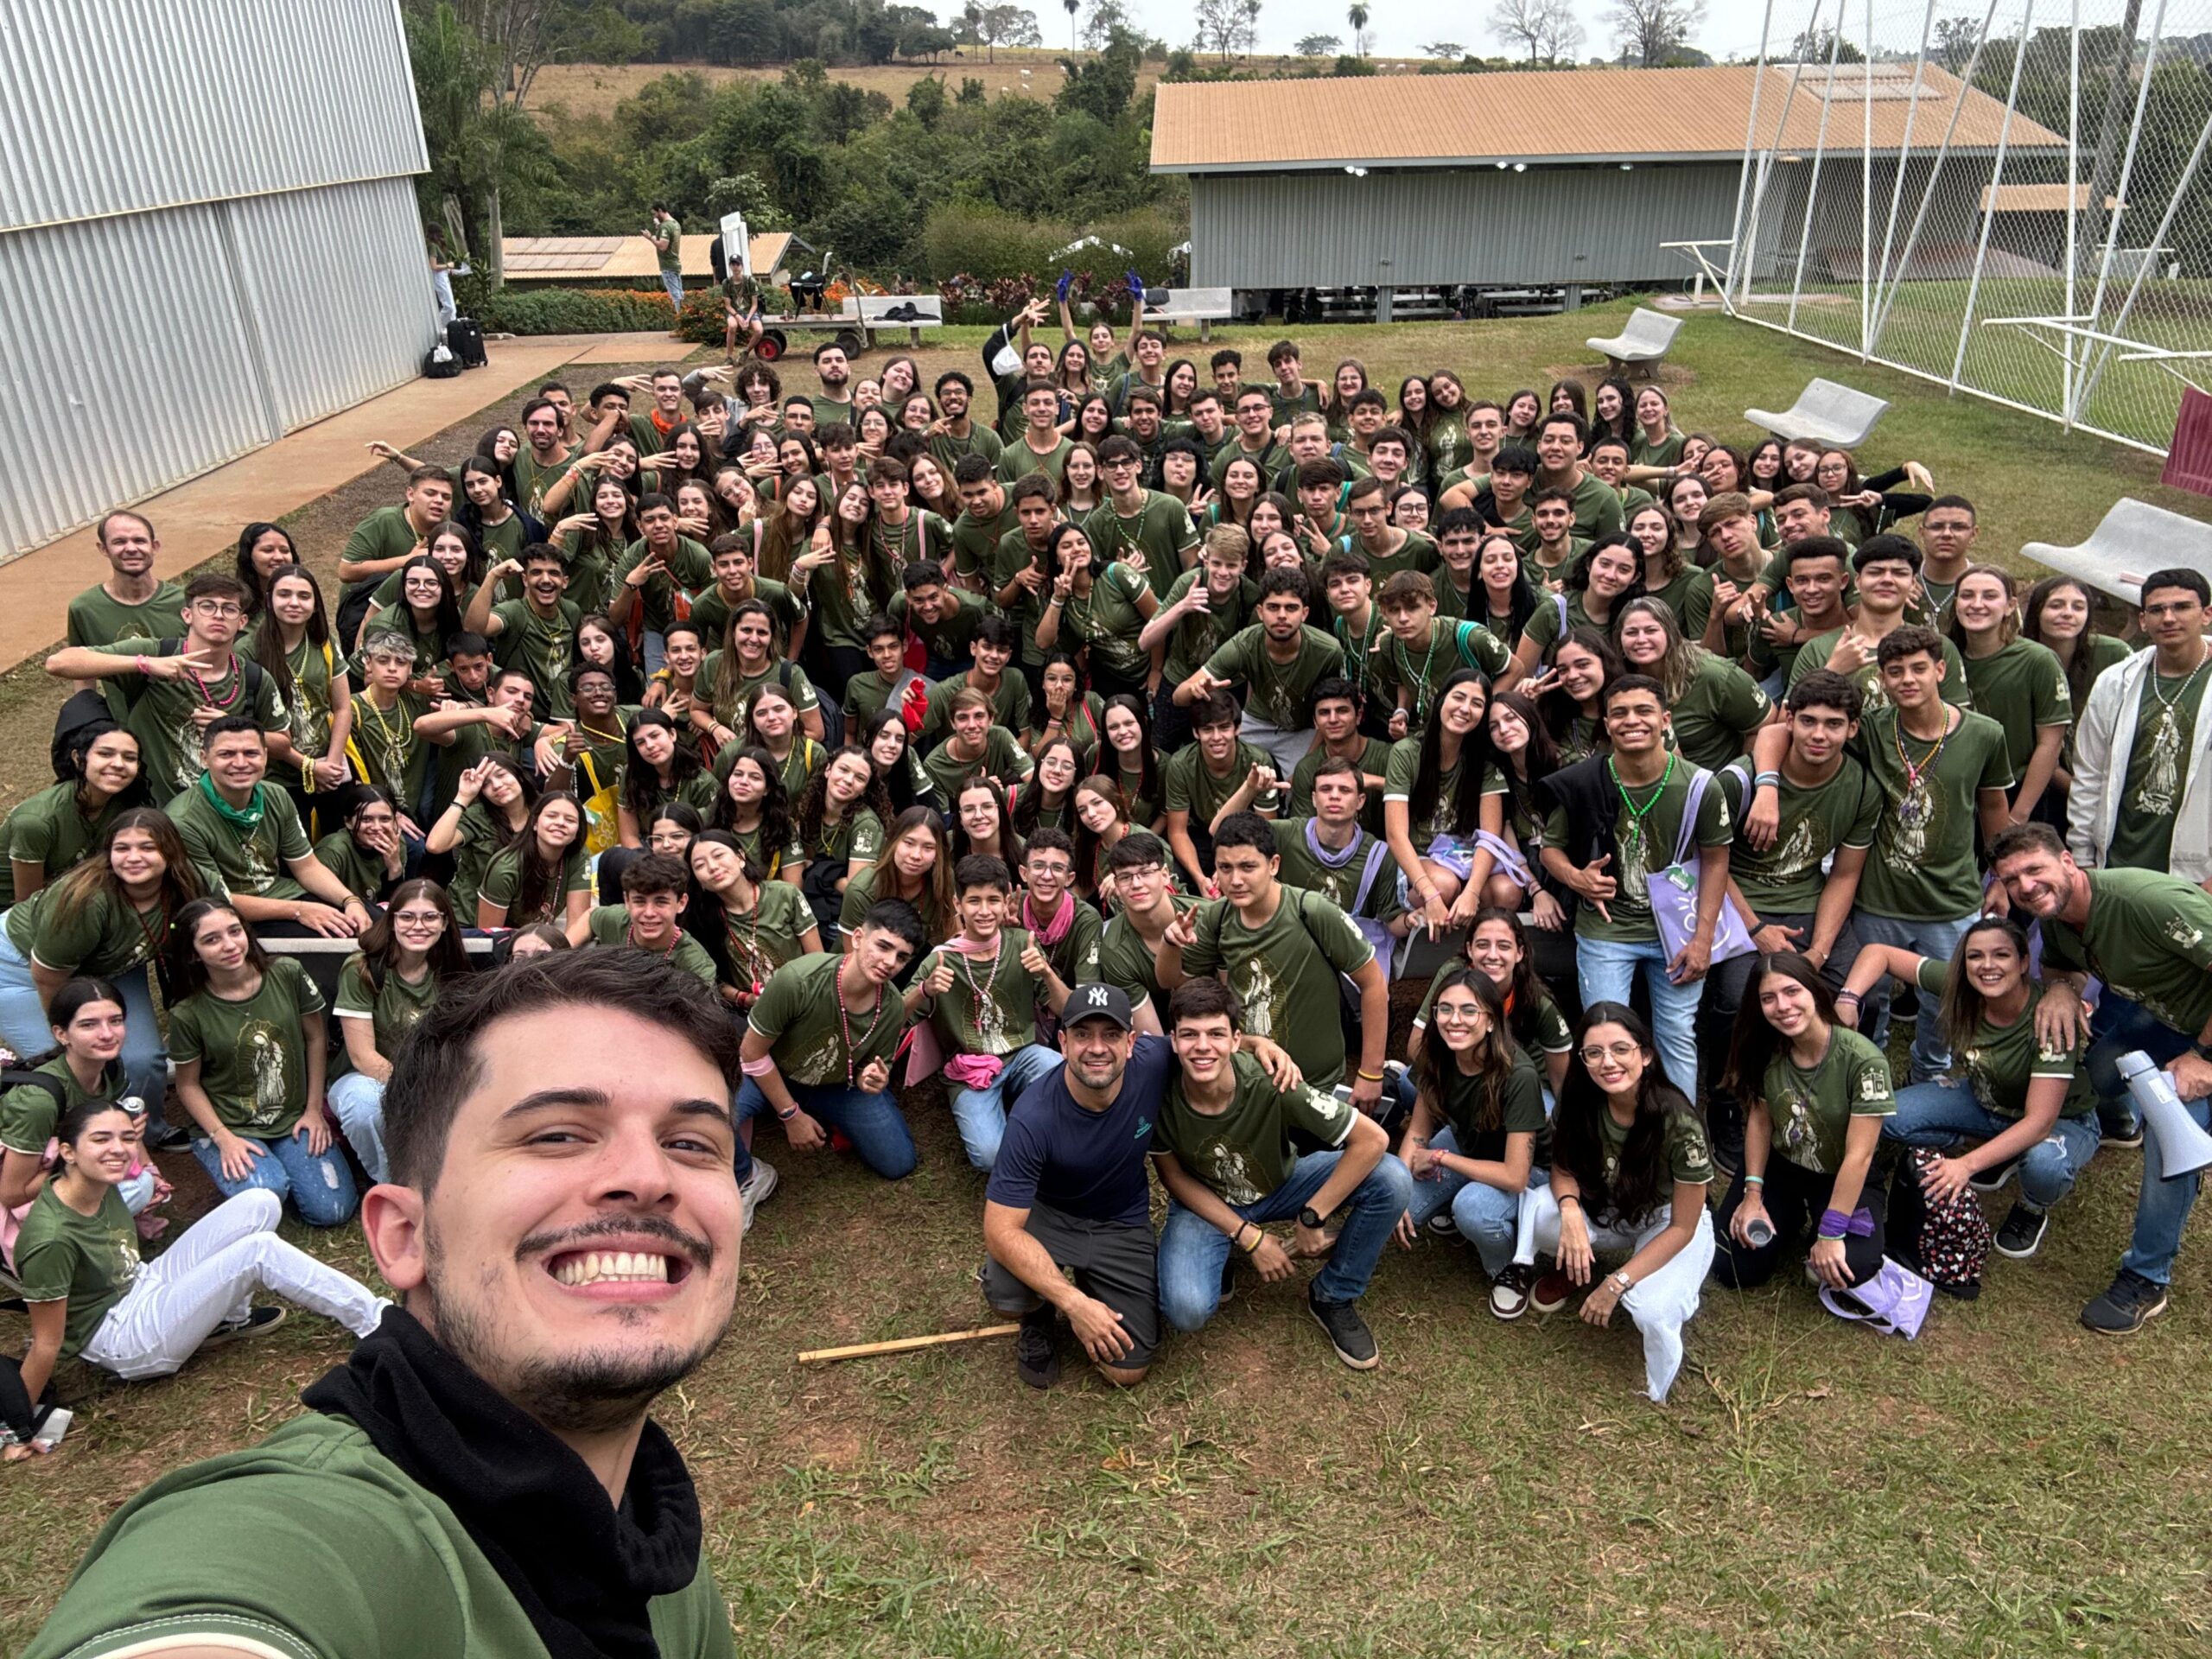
pixel 2014 202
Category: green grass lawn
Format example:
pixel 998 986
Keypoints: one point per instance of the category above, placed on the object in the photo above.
pixel 2008 1484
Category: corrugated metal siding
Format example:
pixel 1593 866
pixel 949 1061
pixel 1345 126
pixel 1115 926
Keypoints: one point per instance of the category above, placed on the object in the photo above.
pixel 114 106
pixel 337 281
pixel 123 361
pixel 1548 225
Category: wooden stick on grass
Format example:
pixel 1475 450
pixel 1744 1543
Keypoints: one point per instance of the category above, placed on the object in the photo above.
pixel 906 1344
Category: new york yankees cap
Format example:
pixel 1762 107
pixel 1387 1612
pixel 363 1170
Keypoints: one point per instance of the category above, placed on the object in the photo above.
pixel 1097 1001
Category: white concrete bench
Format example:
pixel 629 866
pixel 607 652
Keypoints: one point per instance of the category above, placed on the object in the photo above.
pixel 1642 343
pixel 1204 306
pixel 2134 539
pixel 1826 411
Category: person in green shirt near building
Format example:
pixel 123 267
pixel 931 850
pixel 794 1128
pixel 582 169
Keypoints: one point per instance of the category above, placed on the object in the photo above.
pixel 666 234
pixel 1230 1152
pixel 247 1033
pixel 1327 851
pixel 1424 650
pixel 1039 447
pixel 54 830
pixel 1714 705
pixel 979 747
pixel 389 536
pixel 1388 549
pixel 656 887
pixel 1885 570
pixel 1285 953
pixel 537 632
pixel 659 563
pixel 246 840
pixel 132 603
pixel 173 690
pixel 1255 441
pixel 1560 439
pixel 383 990
pixel 942 615
pixel 954 435
pixel 986 517
pixel 1817 1097
pixel 521 1503
pixel 1099 605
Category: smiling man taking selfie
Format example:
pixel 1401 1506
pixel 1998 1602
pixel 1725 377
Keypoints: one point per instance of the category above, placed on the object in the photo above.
pixel 480 1477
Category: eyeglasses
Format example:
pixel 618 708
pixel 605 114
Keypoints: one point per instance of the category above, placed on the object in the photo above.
pixel 425 918
pixel 210 608
pixel 1622 1051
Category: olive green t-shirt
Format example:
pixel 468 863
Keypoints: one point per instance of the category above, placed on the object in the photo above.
pixel 160 712
pixel 1197 635
pixel 1126 961
pixel 51 829
pixel 1718 711
pixel 90 1260
pixel 1280 693
pixel 362 871
pixel 1923 866
pixel 1551 1034
pixel 1786 878
pixel 991 1007
pixel 1002 758
pixel 1010 705
pixel 1645 840
pixel 97 619
pixel 1687 1153
pixel 768 935
pixel 397 758
pixel 1812 1110
pixel 1519 1108
pixel 2158 769
pixel 1374 761
pixel 2023 689
pixel 1285 973
pixel 798 1014
pixel 2149 937
pixel 1190 787
pixel 393 1008
pixel 329 1549
pixel 1398 785
pixel 859 899
pixel 1245 1151
pixel 710 608
pixel 1338 879
pixel 610 927
pixel 102 937
pixel 1108 620
pixel 855 838
pixel 1815 654
pixel 1017 460
pixel 688 568
pixel 252 1052
pixel 258 864
pixel 952 638
pixel 542 647
pixel 2000 1061
pixel 28 1111
pixel 1420 671
pixel 1161 530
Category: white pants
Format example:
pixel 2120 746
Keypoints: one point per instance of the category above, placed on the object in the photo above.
pixel 209 1276
pixel 1661 1304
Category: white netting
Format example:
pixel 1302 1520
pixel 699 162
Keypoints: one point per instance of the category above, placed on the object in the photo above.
pixel 2024 164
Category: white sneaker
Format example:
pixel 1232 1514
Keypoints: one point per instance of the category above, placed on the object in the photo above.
pixel 55 1425
pixel 758 1186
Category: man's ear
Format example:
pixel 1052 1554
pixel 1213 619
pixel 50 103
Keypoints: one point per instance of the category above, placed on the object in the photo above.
pixel 394 1222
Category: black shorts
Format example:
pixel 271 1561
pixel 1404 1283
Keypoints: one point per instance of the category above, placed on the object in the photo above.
pixel 1112 1261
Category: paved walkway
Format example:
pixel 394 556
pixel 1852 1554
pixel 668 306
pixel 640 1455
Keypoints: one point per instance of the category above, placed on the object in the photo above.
pixel 201 517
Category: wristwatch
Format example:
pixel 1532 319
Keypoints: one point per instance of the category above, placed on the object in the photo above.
pixel 1309 1216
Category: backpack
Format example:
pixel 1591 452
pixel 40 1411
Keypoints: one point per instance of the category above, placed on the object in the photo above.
pixel 1946 1244
pixel 440 364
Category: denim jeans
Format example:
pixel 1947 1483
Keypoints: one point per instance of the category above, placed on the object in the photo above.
pixel 672 280
pixel 356 1102
pixel 2116 1027
pixel 872 1123
pixel 321 1189
pixel 2161 1208
pixel 144 1059
pixel 1607 969
pixel 1945 1114
pixel 1192 1250
pixel 1488 1217
pixel 981 1113
pixel 1938 941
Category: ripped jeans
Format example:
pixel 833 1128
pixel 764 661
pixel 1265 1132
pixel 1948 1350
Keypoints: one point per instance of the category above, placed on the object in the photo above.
pixel 1945 1114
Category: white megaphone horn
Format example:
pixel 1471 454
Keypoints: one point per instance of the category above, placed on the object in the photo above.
pixel 2183 1148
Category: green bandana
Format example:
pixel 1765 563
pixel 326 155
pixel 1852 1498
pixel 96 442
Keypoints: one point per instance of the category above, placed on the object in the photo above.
pixel 244 819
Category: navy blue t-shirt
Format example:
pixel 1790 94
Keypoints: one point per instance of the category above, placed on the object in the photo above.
pixel 1085 1163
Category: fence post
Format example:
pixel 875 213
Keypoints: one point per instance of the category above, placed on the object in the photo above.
pixel 1750 129
pixel 2127 178
pixel 1997 178
pixel 2158 240
pixel 1813 186
pixel 1882 280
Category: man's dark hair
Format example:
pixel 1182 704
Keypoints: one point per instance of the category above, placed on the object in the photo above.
pixel 1346 562
pixel 1138 850
pixel 466 643
pixel 606 389
pixel 1140 394
pixel 1183 447
pixel 655 873
pixel 228 724
pixel 1888 547
pixel 544 553
pixel 1565 418
pixel 982 870
pixel 1279 579
pixel 2174 576
pixel 973 469
pixel 1956 503
pixel 1816 547
pixel 1337 766
pixel 1245 830
pixel 1458 521
pixel 1550 492
pixel 1335 688
pixel 1047 837
pixel 923 573
pixel 1825 688
pixel 215 584
pixel 1203 999
pixel 1118 447
pixel 1515 458
pixel 1033 487
pixel 1280 350
pixel 837 435
pixel 1617 688
pixel 1364 488
pixel 1610 441
pixel 1808 492
pixel 1315 474
pixel 438 1064
pixel 1907 641
pixel 897 915
pixel 955 378
pixel 654 501
pixel 827 346
pixel 1215 709
pixel 1396 435
pixel 879 626
pixel 1227 357
pixel 2026 838
pixel 1001 631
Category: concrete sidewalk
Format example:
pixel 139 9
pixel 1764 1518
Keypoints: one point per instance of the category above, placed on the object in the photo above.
pixel 201 518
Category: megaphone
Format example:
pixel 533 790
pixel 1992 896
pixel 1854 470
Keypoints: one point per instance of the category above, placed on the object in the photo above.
pixel 2183 1148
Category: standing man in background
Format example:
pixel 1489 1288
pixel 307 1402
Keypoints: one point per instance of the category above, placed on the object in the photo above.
pixel 667 238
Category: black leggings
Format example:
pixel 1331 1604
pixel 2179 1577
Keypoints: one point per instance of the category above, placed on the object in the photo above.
pixel 1796 1198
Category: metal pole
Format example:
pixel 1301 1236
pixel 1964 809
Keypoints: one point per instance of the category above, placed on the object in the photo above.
pixel 1883 280
pixel 1865 175
pixel 1997 178
pixel 1751 129
pixel 1813 186
pixel 1935 173
pixel 2158 240
pixel 1766 161
pixel 2073 199
pixel 2126 177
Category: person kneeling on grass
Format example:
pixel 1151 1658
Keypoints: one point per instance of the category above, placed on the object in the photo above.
pixel 2025 1106
pixel 1816 1096
pixel 1479 1138
pixel 90 1297
pixel 1629 1170
pixel 982 986
pixel 1226 1155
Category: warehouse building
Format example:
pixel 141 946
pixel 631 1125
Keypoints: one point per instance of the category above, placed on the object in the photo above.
pixel 208 237
pixel 1558 182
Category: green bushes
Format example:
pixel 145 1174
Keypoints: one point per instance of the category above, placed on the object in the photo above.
pixel 983 245
pixel 577 311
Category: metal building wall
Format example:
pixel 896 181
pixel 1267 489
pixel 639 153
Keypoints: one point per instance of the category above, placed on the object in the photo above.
pixel 208 236
pixel 1424 227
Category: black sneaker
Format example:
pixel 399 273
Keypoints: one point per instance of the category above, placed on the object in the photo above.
pixel 1992 1179
pixel 1509 1292
pixel 2133 1302
pixel 1035 1357
pixel 168 1137
pixel 2123 1134
pixel 2022 1234
pixel 1348 1332
pixel 258 1322
pixel 1228 1278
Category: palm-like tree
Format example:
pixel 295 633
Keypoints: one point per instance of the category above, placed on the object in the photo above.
pixel 1356 17
pixel 1073 7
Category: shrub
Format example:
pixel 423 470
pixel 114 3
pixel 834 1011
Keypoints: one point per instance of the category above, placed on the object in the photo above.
pixel 962 236
pixel 577 311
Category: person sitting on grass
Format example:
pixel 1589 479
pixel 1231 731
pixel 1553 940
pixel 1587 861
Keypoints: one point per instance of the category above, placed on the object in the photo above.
pixel 654 890
pixel 87 1019
pixel 383 989
pixel 1479 1137
pixel 982 986
pixel 1228 1152
pixel 91 1298
pixel 1816 1095
pixel 247 1034
pixel 1629 1170
pixel 749 925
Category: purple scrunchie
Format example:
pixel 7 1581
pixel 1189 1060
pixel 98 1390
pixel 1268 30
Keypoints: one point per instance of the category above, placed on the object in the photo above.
pixel 1859 1223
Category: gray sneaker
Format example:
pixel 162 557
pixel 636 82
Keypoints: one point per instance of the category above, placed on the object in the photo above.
pixel 758 1186
pixel 1348 1332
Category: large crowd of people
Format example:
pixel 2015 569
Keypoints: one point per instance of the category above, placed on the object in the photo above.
pixel 1109 734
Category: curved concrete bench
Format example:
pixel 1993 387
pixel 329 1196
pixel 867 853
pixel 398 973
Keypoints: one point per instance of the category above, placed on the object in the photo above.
pixel 2134 539
pixel 1826 411
pixel 1642 344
